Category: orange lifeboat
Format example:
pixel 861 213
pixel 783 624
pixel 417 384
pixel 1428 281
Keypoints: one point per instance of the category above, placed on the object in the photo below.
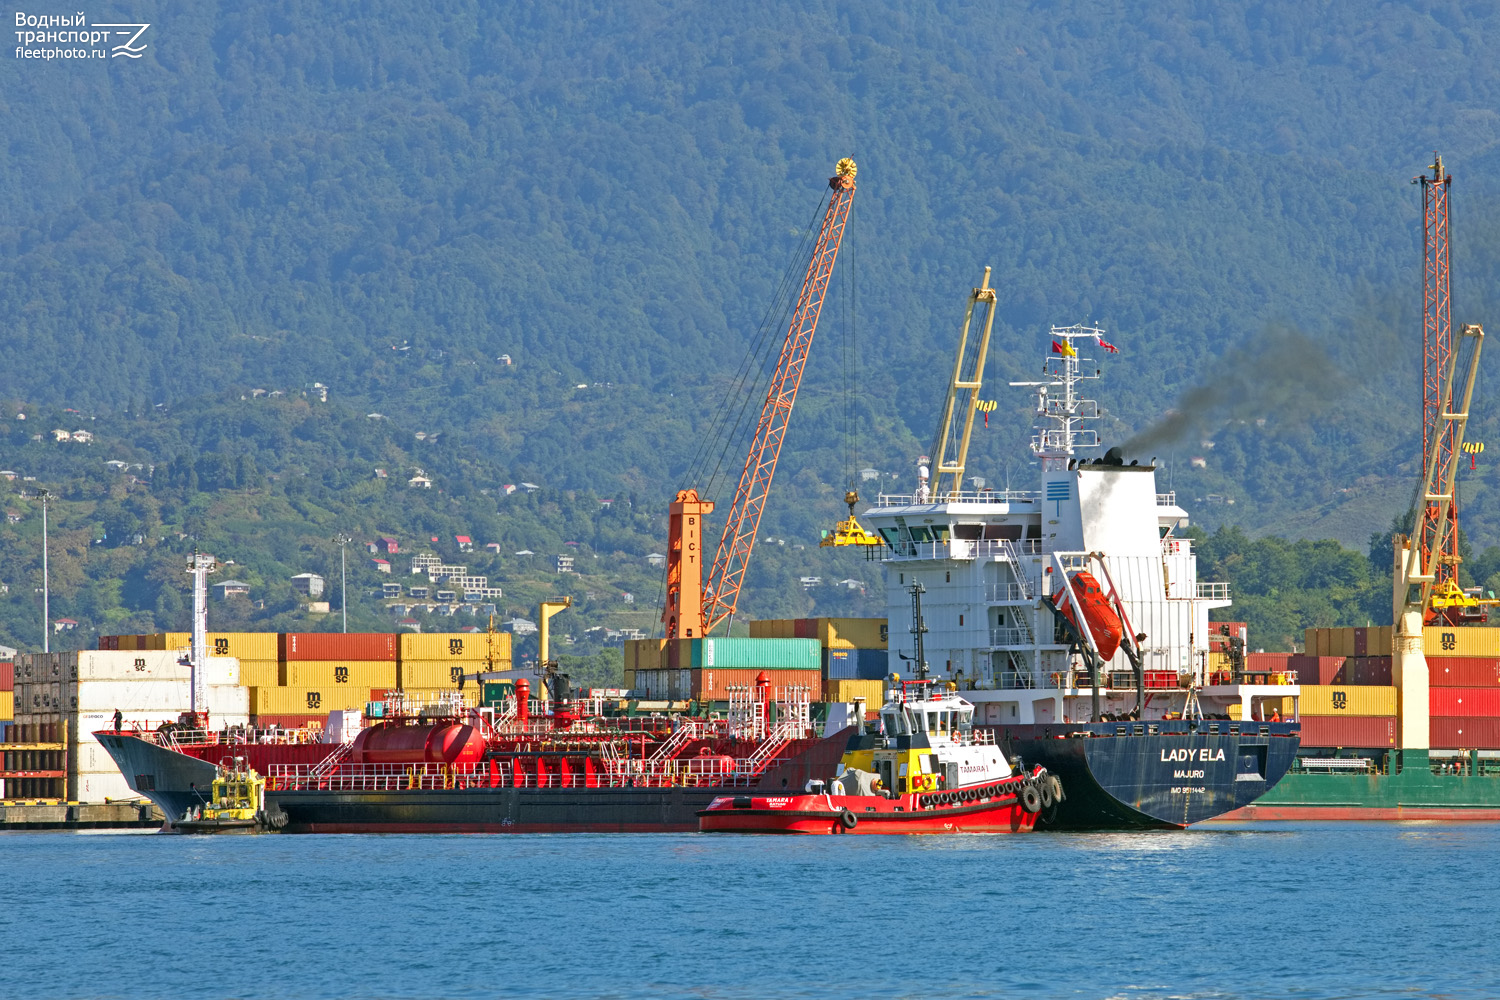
pixel 1103 623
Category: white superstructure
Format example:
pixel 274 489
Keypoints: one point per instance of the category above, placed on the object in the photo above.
pixel 988 558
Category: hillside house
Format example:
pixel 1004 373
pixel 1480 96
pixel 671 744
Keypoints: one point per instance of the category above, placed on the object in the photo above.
pixel 310 584
pixel 656 559
pixel 565 564
pixel 390 591
pixel 465 543
pixel 64 625
pixel 382 566
pixel 419 482
pixel 387 545
pixel 493 547
pixel 410 624
pixel 229 588
pixel 418 593
pixel 59 435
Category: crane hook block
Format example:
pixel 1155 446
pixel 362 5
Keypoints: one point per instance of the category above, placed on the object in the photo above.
pixel 845 168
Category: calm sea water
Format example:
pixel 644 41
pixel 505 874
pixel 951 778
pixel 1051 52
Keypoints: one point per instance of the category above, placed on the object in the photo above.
pixel 1304 910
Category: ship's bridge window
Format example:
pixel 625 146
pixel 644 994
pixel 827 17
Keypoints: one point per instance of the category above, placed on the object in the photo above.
pixel 969 532
pixel 1010 531
pixel 939 532
pixel 891 536
pixel 920 534
pixel 892 723
pixel 932 722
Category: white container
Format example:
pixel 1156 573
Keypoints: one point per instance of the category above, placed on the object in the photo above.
pixel 160 696
pixel 99 786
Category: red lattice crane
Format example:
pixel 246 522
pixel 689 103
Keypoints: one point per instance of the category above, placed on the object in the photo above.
pixel 693 606
pixel 1438 533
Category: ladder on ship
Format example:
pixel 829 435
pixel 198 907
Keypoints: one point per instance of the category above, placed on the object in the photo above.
pixel 326 766
pixel 776 741
pixel 686 732
pixel 1023 587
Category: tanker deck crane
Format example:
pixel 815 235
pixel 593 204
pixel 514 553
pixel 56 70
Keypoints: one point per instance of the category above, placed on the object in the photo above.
pixel 694 606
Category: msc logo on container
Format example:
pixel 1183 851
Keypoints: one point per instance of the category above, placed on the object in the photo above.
pixel 1450 640
pixel 457 673
pixel 314 699
pixel 455 647
pixel 221 646
pixel 1341 700
pixel 140 663
pixel 341 675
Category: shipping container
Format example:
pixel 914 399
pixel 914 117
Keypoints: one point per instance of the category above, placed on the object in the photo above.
pixel 7 705
pixel 245 645
pixel 873 692
pixel 1440 641
pixel 455 646
pixel 853 633
pixel 260 673
pixel 1367 670
pixel 1463 671
pixel 302 700
pixel 713 683
pixel 1347 699
pixel 354 646
pixel 856 664
pixel 644 654
pixel 745 654
pixel 1361 731
pixel 1269 663
pixel 109 642
pixel 172 640
pixel 1219 661
pixel 105 787
pixel 154 696
pixel 774 628
pixel 1464 702
pixel 7 676
pixel 443 673
pixel 804 628
pixel 1318 669
pixel 338 673
pixel 1459 733
pixel 663 685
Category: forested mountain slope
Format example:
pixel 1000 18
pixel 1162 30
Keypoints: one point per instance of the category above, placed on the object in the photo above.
pixel 387 197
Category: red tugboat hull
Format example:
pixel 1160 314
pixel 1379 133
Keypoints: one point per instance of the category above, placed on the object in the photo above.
pixel 995 807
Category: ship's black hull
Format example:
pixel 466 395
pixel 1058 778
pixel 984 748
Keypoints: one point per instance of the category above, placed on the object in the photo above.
pixel 1167 775
pixel 171 779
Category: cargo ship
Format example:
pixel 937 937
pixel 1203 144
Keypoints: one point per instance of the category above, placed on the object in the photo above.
pixel 1002 589
pixel 1352 763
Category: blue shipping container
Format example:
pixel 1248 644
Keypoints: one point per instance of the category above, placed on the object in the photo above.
pixel 856 664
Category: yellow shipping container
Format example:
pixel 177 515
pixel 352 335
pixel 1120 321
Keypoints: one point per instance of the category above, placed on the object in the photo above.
pixel 873 692
pixel 441 673
pixel 1218 660
pixel 1235 711
pixel 1472 641
pixel 1341 699
pixel 773 628
pixel 306 700
pixel 644 654
pixel 126 641
pixel 245 645
pixel 7 705
pixel 853 633
pixel 260 673
pixel 172 640
pixel 454 646
pixel 629 679
pixel 338 673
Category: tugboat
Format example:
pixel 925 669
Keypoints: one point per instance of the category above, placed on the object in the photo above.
pixel 237 803
pixel 924 770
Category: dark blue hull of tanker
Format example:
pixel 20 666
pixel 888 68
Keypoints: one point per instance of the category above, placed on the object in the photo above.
pixel 1157 775
pixel 171 780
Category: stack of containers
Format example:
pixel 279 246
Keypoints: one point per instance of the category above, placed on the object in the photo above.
pixel 259 654
pixel 713 666
pixel 642 654
pixel 321 672
pixel 855 659
pixel 434 664
pixel 67 697
pixel 1463 674
pixel 7 692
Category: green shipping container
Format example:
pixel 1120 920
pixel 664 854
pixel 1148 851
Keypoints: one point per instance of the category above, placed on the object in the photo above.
pixel 757 654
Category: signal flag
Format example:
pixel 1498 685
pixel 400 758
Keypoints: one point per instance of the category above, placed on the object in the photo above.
pixel 1111 348
pixel 986 406
pixel 1065 349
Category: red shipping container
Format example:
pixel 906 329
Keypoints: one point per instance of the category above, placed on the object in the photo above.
pixel 1268 663
pixel 1463 671
pixel 109 642
pixel 7 676
pixel 1368 670
pixel 1464 702
pixel 337 646
pixel 1450 733
pixel 1349 731
pixel 805 628
pixel 712 684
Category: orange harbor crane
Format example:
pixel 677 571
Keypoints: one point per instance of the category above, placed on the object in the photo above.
pixel 693 607
pixel 1438 532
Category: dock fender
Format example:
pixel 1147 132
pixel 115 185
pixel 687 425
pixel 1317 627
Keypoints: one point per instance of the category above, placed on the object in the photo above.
pixel 847 819
pixel 1031 799
pixel 1055 783
pixel 1044 788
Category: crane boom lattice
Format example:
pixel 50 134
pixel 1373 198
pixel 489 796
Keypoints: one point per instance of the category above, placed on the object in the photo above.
pixel 732 558
pixel 1438 532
